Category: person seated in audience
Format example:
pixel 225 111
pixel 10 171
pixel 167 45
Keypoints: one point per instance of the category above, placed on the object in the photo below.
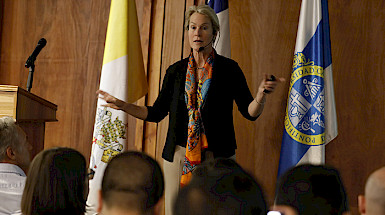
pixel 14 162
pixel 220 187
pixel 132 184
pixel 311 190
pixel 373 203
pixel 57 183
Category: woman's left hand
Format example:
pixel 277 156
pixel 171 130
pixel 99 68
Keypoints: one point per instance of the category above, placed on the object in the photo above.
pixel 269 83
pixel 267 86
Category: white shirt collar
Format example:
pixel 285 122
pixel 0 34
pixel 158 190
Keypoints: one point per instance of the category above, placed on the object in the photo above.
pixel 11 168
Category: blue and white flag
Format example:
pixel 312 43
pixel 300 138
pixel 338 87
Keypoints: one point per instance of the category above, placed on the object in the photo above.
pixel 222 42
pixel 310 120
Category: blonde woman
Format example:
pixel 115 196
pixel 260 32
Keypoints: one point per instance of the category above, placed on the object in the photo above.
pixel 198 93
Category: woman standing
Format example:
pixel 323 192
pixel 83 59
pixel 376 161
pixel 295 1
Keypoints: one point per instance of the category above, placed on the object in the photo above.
pixel 198 93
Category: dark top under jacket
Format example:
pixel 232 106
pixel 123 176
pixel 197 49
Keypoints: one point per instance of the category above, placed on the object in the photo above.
pixel 228 83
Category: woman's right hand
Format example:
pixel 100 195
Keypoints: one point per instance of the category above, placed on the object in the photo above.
pixel 112 102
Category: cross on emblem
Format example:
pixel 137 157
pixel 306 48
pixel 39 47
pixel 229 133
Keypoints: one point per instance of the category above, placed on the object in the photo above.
pixel 298 107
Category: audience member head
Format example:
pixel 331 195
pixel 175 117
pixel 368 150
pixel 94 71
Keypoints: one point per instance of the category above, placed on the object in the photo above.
pixel 132 184
pixel 312 190
pixel 56 183
pixel 220 187
pixel 14 147
pixel 374 200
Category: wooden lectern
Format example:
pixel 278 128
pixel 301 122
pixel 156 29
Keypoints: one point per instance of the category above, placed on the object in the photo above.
pixel 30 111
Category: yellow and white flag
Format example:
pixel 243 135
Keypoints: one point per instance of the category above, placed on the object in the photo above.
pixel 122 76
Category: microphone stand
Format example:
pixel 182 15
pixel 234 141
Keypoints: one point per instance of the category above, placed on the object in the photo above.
pixel 30 75
pixel 30 64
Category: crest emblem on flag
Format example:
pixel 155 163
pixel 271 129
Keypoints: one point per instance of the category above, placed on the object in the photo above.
pixel 304 120
pixel 107 133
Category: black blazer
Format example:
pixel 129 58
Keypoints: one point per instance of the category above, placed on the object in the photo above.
pixel 228 84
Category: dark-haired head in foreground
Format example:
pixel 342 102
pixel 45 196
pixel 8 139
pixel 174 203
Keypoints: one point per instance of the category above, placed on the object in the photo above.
pixel 56 183
pixel 312 190
pixel 132 183
pixel 220 187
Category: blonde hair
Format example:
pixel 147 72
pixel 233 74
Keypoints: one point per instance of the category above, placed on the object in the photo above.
pixel 204 10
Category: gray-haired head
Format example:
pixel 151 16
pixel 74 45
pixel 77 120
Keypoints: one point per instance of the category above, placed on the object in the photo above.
pixel 11 135
pixel 14 147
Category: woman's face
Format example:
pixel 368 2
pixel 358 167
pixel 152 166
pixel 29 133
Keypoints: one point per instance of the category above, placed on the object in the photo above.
pixel 200 32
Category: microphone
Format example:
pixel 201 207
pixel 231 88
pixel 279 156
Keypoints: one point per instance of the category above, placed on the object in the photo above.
pixel 203 47
pixel 40 45
pixel 30 64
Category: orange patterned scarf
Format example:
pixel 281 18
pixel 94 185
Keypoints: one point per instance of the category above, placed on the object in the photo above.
pixel 196 87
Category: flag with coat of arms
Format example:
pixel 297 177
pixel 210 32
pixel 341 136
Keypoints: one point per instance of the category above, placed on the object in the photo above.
pixel 122 76
pixel 310 120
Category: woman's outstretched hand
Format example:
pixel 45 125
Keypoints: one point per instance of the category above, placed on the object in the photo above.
pixel 112 102
pixel 269 84
pixel 134 110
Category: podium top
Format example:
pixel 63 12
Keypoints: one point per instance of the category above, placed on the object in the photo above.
pixel 25 106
